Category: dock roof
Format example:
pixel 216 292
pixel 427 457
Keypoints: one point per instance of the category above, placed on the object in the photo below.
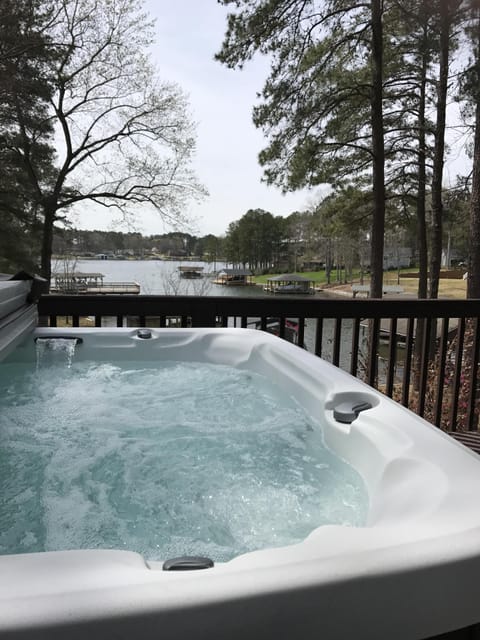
pixel 190 268
pixel 236 272
pixel 77 274
pixel 289 277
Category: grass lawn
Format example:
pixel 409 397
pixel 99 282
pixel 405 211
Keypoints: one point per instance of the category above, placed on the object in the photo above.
pixel 449 288
pixel 318 277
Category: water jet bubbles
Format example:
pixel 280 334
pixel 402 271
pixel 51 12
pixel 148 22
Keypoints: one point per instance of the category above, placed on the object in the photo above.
pixel 178 458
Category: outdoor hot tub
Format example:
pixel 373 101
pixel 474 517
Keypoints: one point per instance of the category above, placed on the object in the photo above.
pixel 399 540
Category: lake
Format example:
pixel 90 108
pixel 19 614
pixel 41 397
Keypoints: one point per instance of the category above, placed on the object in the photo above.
pixel 155 277
pixel 161 277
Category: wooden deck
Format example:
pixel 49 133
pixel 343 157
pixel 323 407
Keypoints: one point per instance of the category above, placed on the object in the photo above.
pixel 470 439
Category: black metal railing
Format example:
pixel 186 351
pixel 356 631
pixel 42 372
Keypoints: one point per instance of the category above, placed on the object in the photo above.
pixel 422 353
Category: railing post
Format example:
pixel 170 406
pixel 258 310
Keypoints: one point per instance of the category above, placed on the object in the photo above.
pixel 373 333
pixel 204 319
pixel 473 357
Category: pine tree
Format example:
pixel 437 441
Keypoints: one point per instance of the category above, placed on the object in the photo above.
pixel 470 88
pixel 408 91
pixel 322 105
pixel 448 11
pixel 25 86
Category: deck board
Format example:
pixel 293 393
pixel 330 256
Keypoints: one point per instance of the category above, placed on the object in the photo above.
pixel 470 439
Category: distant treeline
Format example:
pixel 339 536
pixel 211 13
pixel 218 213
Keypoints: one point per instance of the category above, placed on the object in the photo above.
pixel 75 242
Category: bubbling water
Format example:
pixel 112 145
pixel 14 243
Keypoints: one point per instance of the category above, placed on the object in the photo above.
pixel 164 459
pixel 56 350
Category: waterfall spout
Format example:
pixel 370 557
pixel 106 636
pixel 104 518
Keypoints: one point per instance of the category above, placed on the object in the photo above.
pixel 56 350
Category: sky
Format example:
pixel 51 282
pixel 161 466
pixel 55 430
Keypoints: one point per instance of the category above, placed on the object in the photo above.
pixel 188 34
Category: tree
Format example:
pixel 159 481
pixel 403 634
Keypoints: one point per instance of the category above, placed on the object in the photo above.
pixel 232 244
pixel 408 88
pixel 447 15
pixel 209 248
pixel 298 231
pixel 322 104
pixel 124 138
pixel 343 219
pixel 25 85
pixel 424 55
pixel 378 150
pixel 255 240
pixel 471 91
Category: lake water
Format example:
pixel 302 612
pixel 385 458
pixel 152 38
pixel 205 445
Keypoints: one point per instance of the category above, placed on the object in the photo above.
pixel 159 277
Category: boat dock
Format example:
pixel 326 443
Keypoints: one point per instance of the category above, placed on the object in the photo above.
pixel 191 272
pixel 289 284
pixel 234 277
pixel 90 283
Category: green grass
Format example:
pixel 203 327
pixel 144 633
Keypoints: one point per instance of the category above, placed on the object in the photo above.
pixel 315 276
pixel 448 288
pixel 318 277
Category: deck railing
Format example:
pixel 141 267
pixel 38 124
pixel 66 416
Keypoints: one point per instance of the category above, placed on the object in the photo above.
pixel 422 353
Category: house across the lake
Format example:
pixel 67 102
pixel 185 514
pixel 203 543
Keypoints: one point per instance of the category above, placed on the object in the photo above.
pixel 234 277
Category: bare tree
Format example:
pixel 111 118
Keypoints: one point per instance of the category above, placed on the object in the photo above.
pixel 171 281
pixel 124 139
pixel 174 285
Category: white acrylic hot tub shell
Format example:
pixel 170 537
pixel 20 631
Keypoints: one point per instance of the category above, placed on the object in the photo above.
pixel 391 579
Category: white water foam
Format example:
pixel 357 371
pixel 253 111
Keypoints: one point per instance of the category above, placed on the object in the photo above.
pixel 55 350
pixel 166 460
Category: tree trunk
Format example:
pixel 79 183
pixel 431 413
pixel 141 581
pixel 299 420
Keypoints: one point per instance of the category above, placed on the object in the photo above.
pixel 473 283
pixel 421 221
pixel 446 10
pixel 328 262
pixel 378 150
pixel 378 222
pixel 49 213
pixel 422 290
